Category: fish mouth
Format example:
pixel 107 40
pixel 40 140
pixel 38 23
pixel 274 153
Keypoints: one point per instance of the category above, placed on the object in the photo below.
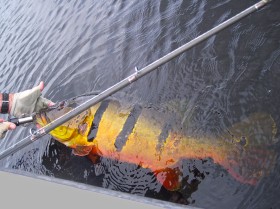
pixel 73 132
pixel 42 117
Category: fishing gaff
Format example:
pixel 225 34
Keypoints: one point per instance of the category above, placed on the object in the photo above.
pixel 127 81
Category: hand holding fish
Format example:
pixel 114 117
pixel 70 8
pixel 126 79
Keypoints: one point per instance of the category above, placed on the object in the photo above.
pixel 19 104
pixel 28 101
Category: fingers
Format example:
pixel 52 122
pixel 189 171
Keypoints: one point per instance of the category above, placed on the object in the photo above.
pixel 4 127
pixel 12 126
pixel 41 85
pixel 9 125
pixel 29 101
pixel 51 104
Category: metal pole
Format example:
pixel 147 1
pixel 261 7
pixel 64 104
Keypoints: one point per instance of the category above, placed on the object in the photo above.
pixel 130 79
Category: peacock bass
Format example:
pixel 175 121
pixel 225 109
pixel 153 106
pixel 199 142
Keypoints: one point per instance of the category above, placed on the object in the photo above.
pixel 143 136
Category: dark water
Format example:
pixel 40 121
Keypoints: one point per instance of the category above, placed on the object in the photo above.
pixel 85 46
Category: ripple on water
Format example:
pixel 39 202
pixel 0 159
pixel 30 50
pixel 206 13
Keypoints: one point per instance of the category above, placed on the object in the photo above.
pixel 84 46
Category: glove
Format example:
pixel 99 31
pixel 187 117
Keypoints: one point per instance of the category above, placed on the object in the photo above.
pixel 29 101
pixel 4 127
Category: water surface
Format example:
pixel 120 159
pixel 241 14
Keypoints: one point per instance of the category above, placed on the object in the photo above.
pixel 84 46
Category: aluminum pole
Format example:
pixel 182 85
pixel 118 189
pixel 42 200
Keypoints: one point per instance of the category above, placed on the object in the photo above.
pixel 130 79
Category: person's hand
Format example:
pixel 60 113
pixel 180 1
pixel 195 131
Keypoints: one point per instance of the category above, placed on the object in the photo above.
pixel 29 101
pixel 4 127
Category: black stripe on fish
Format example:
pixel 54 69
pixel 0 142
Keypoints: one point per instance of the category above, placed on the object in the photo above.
pixel 163 136
pixel 128 127
pixel 97 118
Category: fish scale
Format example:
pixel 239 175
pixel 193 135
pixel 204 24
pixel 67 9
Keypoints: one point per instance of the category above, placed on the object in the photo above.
pixel 145 137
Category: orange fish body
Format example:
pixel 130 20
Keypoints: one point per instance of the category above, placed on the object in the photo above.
pixel 140 136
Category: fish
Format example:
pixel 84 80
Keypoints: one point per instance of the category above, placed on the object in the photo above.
pixel 143 136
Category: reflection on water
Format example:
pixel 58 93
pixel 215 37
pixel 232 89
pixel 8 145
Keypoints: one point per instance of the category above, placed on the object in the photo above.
pixel 84 46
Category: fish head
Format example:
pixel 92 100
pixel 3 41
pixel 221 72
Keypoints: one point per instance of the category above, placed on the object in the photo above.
pixel 73 133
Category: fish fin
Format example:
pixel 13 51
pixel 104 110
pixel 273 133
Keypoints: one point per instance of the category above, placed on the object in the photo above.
pixel 94 155
pixel 82 150
pixel 170 178
pixel 258 129
pixel 252 157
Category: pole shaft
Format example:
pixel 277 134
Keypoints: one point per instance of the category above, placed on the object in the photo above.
pixel 127 81
pixel 16 147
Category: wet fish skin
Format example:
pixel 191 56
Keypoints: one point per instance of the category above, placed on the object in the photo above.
pixel 140 136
